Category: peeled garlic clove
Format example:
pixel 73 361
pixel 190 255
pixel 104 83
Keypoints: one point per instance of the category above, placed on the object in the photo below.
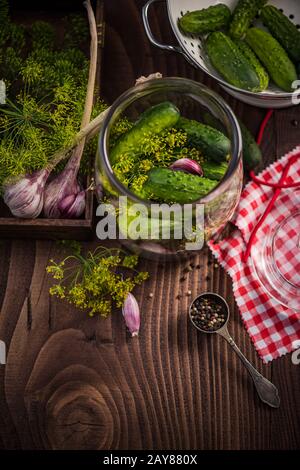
pixel 131 313
pixel 25 198
pixel 187 165
pixel 72 206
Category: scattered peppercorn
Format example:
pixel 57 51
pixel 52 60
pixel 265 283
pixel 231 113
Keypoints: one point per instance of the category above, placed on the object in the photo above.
pixel 208 314
pixel 183 278
pixel 187 269
pixel 295 123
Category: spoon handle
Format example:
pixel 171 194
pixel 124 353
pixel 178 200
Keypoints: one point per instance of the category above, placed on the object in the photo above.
pixel 267 392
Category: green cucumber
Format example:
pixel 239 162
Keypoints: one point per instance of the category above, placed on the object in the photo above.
pixel 206 20
pixel 243 15
pixel 252 156
pixel 214 171
pixel 153 121
pixel 251 57
pixel 211 142
pixel 171 186
pixel 273 57
pixel 231 63
pixel 283 30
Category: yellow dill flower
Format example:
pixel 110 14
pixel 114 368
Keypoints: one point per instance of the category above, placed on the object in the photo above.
pixel 93 282
pixel 145 165
pixel 130 261
pixel 57 290
pixel 138 183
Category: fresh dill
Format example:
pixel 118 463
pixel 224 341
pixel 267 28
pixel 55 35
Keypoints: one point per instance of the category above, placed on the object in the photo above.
pixel 96 281
pixel 46 82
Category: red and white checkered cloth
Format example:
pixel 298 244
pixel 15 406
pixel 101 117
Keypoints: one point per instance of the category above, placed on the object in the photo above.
pixel 274 329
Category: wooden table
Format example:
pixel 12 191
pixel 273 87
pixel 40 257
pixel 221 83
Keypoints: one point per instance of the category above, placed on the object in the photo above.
pixel 72 382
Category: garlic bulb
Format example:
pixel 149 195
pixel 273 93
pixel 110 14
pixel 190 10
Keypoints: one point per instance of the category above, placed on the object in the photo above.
pixel 72 206
pixel 25 197
pixel 63 185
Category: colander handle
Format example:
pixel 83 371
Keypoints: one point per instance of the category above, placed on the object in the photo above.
pixel 149 33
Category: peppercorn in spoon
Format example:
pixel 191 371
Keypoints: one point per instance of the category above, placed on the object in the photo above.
pixel 209 313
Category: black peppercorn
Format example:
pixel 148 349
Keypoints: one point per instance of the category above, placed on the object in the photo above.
pixel 207 314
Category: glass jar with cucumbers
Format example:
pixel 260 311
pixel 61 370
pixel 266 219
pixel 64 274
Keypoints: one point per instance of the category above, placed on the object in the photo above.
pixel 173 144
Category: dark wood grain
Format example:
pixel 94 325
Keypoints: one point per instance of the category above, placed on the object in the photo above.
pixel 72 382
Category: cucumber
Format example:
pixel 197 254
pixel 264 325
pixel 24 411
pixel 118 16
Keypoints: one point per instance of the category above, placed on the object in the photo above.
pixel 175 186
pixel 252 156
pixel 283 30
pixel 273 57
pixel 212 121
pixel 211 142
pixel 206 20
pixel 231 63
pixel 214 171
pixel 243 15
pixel 251 57
pixel 153 121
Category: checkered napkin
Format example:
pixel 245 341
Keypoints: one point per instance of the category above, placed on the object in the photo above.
pixel 274 329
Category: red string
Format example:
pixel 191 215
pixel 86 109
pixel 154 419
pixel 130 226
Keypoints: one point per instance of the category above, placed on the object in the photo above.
pixel 263 126
pixel 272 185
pixel 277 186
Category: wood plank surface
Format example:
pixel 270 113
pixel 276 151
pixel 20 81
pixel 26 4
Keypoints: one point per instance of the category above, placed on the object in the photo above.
pixel 72 382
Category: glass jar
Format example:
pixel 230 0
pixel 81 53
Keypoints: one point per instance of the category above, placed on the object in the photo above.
pixel 195 101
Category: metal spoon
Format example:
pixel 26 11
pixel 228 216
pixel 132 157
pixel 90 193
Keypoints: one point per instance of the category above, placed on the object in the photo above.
pixel 267 392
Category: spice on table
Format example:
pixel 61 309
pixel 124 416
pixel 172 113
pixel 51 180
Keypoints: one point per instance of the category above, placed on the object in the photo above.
pixel 189 292
pixel 207 314
pixel 188 269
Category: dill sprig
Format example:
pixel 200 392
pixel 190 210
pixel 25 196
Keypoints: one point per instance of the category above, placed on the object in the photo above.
pixel 95 282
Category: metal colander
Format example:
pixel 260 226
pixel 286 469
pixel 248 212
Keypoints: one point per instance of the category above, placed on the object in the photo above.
pixel 192 47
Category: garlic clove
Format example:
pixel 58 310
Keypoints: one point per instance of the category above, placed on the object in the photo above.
pixel 25 197
pixel 187 165
pixel 131 313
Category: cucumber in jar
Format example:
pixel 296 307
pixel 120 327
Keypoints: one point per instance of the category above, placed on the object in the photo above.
pixel 152 122
pixel 171 186
pixel 210 141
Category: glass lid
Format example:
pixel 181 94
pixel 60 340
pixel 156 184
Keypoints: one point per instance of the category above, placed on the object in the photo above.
pixel 276 258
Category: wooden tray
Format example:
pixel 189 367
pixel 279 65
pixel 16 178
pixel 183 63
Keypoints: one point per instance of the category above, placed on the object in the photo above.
pixel 74 229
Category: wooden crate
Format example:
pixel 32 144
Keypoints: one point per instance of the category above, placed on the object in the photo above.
pixel 42 228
